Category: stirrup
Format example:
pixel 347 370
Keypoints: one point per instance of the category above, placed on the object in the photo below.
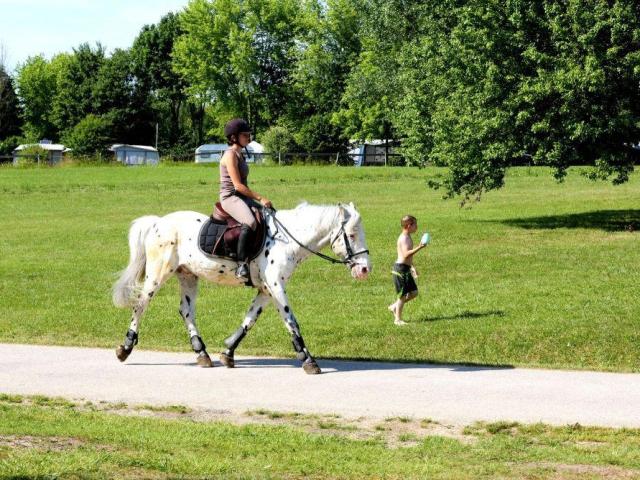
pixel 242 271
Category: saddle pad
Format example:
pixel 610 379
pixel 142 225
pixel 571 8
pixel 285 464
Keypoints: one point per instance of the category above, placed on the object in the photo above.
pixel 209 239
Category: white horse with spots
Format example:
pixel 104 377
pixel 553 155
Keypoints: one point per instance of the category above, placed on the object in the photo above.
pixel 164 246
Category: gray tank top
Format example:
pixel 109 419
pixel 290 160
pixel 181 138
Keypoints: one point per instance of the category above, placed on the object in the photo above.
pixel 226 184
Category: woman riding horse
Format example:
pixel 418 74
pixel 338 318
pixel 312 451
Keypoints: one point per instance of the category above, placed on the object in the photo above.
pixel 236 197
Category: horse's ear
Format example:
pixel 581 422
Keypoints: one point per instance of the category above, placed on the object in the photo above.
pixel 343 211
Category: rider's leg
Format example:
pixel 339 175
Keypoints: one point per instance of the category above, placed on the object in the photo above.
pixel 243 251
pixel 240 211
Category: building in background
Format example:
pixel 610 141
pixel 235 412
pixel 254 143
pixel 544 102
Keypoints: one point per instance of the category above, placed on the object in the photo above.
pixel 54 152
pixel 135 154
pixel 375 152
pixel 212 152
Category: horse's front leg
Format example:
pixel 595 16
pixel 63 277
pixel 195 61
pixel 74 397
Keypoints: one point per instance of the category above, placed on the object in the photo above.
pixel 250 318
pixel 281 302
pixel 188 293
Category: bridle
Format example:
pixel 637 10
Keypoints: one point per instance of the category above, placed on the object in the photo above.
pixel 348 259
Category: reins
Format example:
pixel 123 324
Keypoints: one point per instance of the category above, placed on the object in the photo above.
pixel 350 254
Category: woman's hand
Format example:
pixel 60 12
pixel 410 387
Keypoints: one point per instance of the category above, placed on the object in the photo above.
pixel 265 202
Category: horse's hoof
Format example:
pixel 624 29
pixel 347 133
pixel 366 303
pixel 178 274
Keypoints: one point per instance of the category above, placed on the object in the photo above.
pixel 227 360
pixel 204 360
pixel 311 368
pixel 122 353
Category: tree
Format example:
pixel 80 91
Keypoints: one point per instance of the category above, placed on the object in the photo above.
pixel 10 122
pixel 37 85
pixel 155 79
pixel 239 54
pixel 73 99
pixel 493 80
pixel 327 51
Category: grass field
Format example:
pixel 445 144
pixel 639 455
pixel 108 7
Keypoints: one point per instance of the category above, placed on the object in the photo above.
pixel 53 438
pixel 536 274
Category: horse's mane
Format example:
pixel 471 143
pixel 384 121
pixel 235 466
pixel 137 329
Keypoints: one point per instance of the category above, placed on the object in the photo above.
pixel 327 213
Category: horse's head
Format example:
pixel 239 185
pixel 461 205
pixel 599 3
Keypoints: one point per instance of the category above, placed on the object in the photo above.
pixel 348 242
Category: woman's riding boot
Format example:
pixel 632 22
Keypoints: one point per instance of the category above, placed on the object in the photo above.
pixel 243 254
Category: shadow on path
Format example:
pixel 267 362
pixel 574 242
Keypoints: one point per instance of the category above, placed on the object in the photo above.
pixel 336 365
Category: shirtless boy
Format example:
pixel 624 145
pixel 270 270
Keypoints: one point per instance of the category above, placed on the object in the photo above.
pixel 403 280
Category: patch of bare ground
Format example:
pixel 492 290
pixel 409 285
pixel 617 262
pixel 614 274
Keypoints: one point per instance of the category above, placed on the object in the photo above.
pixel 51 444
pixel 395 432
pixel 563 471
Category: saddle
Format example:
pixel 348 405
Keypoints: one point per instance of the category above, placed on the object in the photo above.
pixel 219 235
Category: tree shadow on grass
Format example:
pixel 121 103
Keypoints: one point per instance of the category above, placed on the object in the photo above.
pixel 466 315
pixel 608 220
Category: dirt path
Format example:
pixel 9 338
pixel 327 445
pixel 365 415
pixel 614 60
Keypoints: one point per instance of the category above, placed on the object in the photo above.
pixel 445 393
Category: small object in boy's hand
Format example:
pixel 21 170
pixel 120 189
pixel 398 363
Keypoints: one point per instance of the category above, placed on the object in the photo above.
pixel 426 238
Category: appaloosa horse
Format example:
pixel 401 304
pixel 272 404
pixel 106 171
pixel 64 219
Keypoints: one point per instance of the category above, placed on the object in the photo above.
pixel 164 246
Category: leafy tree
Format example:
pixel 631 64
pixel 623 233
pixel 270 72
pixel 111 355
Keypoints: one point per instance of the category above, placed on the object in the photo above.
pixel 372 90
pixel 473 85
pixel 10 122
pixel 326 54
pixel 37 85
pixel 117 94
pixel 74 97
pixel 238 54
pixel 156 80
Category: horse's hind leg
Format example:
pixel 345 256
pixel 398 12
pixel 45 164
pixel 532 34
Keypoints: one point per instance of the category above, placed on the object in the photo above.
pixel 158 270
pixel 188 293
pixel 250 318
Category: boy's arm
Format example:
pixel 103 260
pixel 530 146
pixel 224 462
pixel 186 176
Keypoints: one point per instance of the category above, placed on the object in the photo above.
pixel 404 244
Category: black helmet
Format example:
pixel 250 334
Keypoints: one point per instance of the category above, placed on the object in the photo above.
pixel 236 126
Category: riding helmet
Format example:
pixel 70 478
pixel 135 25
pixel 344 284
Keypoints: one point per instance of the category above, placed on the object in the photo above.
pixel 236 126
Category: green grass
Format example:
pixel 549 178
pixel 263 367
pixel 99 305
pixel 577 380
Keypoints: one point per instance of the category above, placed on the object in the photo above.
pixel 536 274
pixel 50 440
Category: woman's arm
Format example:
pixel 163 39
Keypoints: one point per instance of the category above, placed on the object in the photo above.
pixel 231 162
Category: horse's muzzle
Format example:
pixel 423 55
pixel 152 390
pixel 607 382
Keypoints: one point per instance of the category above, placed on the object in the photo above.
pixel 359 271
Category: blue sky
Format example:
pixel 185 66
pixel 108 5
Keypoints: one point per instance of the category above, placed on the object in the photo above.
pixel 31 27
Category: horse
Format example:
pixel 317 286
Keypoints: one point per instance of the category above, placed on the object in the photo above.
pixel 164 246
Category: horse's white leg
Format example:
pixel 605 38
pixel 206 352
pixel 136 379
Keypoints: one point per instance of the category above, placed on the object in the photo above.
pixel 159 267
pixel 280 300
pixel 188 293
pixel 250 318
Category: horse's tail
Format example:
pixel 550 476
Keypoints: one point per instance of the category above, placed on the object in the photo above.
pixel 132 276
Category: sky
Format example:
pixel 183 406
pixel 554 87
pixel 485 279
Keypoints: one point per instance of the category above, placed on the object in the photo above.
pixel 32 27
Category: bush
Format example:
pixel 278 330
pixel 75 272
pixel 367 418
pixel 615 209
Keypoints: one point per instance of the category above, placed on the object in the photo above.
pixel 31 156
pixel 90 136
pixel 278 140
pixel 9 144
